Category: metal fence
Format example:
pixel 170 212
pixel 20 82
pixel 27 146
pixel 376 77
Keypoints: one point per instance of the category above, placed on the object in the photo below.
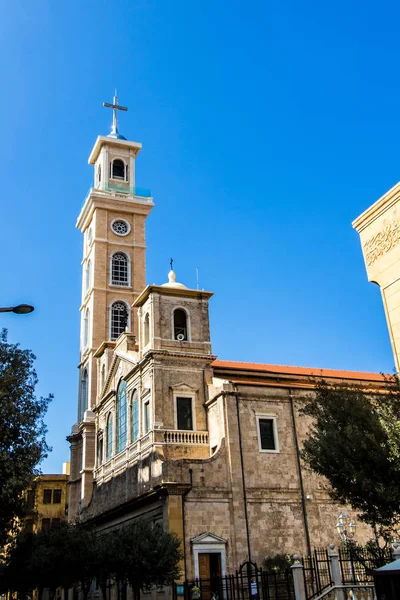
pixel 248 583
pixel 356 566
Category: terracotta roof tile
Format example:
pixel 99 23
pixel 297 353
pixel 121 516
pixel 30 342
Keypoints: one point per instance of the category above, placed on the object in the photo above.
pixel 288 370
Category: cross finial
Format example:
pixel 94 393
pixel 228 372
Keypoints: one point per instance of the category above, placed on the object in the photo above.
pixel 171 262
pixel 116 107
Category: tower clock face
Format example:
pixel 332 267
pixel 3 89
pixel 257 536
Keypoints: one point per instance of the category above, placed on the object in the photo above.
pixel 120 227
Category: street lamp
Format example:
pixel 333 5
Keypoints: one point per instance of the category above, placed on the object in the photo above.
pixel 346 531
pixel 21 309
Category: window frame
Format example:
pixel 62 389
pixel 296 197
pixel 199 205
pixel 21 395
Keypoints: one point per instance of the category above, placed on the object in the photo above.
pixel 188 327
pixel 134 399
pixel 146 420
pixel 124 221
pixel 185 394
pixel 84 395
pixel 46 493
pixel 109 436
pixel 121 402
pixel 126 170
pixel 86 325
pixel 128 323
pixel 274 419
pixel 116 283
pixel 55 496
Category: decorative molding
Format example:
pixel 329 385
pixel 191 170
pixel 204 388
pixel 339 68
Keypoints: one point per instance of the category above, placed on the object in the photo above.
pixel 382 242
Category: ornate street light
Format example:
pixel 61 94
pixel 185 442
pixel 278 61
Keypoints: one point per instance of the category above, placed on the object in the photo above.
pixel 345 530
pixel 21 309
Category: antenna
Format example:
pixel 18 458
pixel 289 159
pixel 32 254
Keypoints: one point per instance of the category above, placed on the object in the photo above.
pixel 197 277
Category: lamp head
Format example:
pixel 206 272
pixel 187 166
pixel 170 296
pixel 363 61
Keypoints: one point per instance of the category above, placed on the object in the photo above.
pixel 23 309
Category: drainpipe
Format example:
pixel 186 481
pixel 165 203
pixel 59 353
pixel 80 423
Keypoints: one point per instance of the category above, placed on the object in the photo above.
pixel 303 497
pixel 246 517
pixel 183 521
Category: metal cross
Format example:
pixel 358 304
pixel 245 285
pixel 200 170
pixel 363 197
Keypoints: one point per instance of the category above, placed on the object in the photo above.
pixel 171 263
pixel 115 106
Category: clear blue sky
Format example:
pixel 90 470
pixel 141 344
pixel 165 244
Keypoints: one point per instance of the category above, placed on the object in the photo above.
pixel 267 127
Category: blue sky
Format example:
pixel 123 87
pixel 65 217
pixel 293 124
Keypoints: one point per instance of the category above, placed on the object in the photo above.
pixel 267 127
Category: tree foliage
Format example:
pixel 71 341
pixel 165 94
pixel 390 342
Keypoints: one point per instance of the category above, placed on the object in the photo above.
pixel 354 441
pixel 22 431
pixel 140 554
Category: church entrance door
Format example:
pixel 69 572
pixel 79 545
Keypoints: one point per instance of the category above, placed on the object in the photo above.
pixel 210 573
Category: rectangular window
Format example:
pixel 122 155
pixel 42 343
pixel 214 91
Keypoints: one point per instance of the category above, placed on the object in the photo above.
pixel 99 451
pixel 267 434
pixel 29 525
pixel 146 417
pixel 184 414
pixel 47 496
pixel 45 525
pixel 55 522
pixel 56 496
pixel 30 499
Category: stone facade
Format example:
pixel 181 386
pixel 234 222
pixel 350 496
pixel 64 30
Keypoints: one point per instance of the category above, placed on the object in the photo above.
pixel 379 229
pixel 207 447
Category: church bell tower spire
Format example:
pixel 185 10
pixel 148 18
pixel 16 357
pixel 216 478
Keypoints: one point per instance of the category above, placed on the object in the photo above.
pixel 112 221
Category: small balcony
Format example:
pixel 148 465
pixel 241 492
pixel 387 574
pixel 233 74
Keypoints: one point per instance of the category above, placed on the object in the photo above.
pixel 193 438
pixel 124 188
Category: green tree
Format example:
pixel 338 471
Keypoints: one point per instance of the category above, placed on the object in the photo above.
pixel 152 555
pixel 22 431
pixel 354 441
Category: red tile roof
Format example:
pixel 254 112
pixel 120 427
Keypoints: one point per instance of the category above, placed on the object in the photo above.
pixel 287 370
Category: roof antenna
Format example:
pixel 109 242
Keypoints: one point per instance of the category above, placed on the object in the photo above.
pixel 197 277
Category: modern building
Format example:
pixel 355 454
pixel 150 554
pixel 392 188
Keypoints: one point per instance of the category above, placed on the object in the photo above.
pixel 379 229
pixel 164 429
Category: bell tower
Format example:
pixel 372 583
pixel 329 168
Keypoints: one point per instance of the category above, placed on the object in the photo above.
pixel 112 221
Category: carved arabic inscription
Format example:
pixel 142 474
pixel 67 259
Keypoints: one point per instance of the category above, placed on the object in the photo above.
pixel 382 242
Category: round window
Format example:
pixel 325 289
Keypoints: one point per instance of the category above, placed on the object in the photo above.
pixel 120 227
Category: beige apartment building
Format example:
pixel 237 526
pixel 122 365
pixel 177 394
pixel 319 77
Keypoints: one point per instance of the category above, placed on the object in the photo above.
pixel 379 229
pixel 47 501
pixel 166 430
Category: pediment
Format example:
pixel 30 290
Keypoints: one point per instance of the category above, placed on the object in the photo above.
pixel 183 387
pixel 208 538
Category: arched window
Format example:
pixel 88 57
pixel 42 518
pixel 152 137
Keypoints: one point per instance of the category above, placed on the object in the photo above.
pixel 180 325
pixel 121 416
pixel 119 269
pixel 99 174
pixel 135 416
pixel 84 395
pixel 119 319
pixel 146 329
pixel 88 269
pixel 103 377
pixel 109 436
pixel 118 169
pixel 86 328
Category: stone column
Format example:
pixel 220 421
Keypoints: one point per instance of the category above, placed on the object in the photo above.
pixel 298 578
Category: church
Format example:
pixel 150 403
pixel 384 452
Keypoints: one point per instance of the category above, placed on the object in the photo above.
pixel 166 430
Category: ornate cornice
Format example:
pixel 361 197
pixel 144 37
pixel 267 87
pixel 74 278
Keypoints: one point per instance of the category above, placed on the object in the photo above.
pixel 382 242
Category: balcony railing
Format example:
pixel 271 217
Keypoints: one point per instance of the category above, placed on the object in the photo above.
pixel 193 438
pixel 124 188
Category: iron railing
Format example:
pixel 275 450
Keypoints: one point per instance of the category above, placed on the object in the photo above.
pixel 247 583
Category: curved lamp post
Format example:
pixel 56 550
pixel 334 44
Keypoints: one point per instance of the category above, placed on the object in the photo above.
pixel 21 309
